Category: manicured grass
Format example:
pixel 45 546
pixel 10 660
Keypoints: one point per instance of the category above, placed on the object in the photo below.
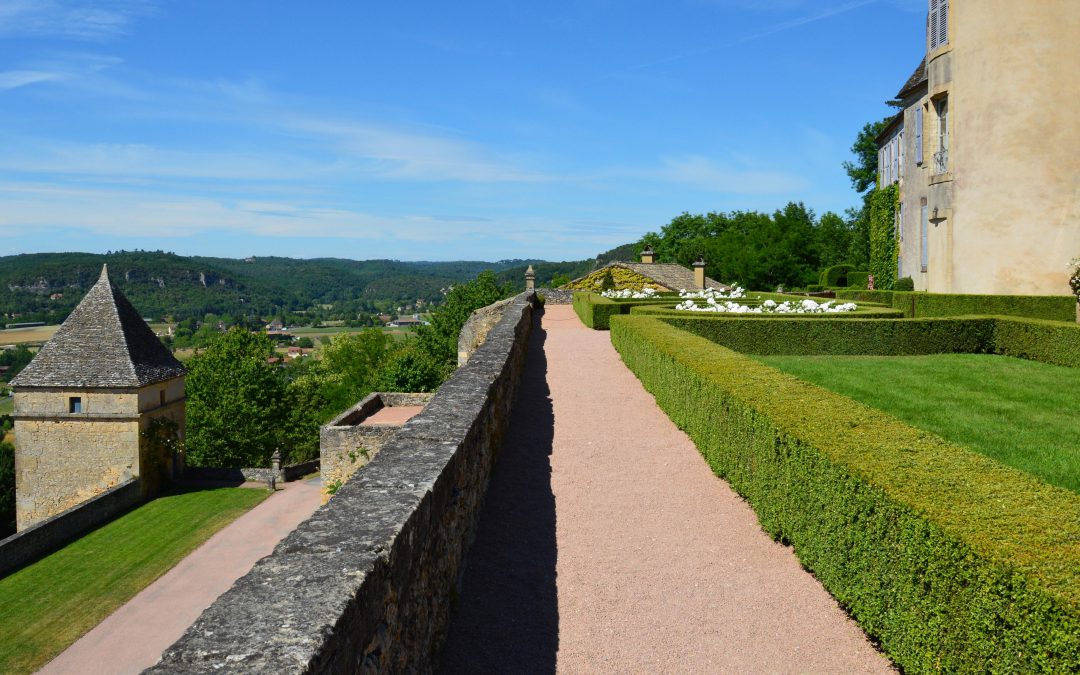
pixel 48 605
pixel 1021 413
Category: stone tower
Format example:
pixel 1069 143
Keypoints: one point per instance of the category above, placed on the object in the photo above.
pixel 85 408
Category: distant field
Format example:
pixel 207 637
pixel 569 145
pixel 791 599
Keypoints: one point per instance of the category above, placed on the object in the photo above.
pixel 7 405
pixel 1021 413
pixel 46 606
pixel 17 336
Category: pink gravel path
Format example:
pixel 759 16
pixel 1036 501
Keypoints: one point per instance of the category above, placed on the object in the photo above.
pixel 658 566
pixel 132 638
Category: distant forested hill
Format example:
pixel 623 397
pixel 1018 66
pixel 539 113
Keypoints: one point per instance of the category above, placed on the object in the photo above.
pixel 163 284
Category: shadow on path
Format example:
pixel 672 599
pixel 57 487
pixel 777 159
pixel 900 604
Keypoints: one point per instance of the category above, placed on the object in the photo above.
pixel 507 618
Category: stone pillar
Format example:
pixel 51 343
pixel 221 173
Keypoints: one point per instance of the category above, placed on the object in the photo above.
pixel 699 272
pixel 647 255
pixel 530 279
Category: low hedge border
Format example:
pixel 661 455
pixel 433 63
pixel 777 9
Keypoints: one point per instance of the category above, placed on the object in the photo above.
pixel 1050 342
pixel 920 304
pixel 950 560
pixel 595 311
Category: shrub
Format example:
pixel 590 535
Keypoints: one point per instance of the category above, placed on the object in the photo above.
pixel 920 304
pixel 1074 280
pixel 904 284
pixel 950 560
pixel 1036 340
pixel 864 312
pixel 877 337
pixel 7 489
pixel 595 311
pixel 858 280
pixel 837 275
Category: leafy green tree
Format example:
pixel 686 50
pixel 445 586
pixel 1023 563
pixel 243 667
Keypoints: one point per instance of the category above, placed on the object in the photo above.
pixel 305 343
pixel 350 366
pixel 16 359
pixel 834 239
pixel 439 340
pixel 863 173
pixel 410 369
pixel 560 280
pixel 7 489
pixel 236 403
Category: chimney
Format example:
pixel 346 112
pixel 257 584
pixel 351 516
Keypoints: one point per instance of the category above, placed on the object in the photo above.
pixel 699 272
pixel 530 279
pixel 647 255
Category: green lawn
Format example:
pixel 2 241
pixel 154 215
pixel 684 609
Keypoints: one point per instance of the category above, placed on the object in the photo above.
pixel 1021 413
pixel 48 605
pixel 7 405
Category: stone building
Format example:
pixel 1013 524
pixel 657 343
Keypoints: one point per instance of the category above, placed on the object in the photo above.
pixel 663 277
pixel 86 408
pixel 984 150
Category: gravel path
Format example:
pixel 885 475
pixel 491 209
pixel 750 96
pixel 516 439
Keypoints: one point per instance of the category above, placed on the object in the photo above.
pixel 132 638
pixel 607 545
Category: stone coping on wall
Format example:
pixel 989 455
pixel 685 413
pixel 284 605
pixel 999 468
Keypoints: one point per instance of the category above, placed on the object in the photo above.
pixel 54 533
pixel 258 474
pixel 366 583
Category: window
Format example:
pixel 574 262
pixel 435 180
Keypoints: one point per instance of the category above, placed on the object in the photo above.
pixel 898 170
pixel 918 135
pixel 941 157
pixel 939 23
pixel 924 227
pixel 161 398
pixel 75 404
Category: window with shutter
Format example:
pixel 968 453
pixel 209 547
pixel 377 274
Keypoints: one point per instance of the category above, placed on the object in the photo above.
pixel 933 24
pixel 924 227
pixel 900 156
pixel 918 135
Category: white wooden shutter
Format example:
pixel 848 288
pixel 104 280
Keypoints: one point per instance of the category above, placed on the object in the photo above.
pixel 943 22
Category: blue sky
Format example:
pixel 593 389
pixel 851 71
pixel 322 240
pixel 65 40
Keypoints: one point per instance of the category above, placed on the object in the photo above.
pixel 427 130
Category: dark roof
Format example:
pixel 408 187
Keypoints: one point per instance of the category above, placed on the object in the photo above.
pixel 896 120
pixel 103 343
pixel 669 275
pixel 917 78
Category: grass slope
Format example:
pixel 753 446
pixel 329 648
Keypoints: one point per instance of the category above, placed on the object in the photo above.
pixel 48 605
pixel 1018 412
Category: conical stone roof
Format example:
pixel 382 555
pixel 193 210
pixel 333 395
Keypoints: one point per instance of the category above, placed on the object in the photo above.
pixel 103 343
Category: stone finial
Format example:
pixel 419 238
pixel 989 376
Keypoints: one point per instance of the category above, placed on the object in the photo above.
pixel 699 272
pixel 647 255
pixel 530 279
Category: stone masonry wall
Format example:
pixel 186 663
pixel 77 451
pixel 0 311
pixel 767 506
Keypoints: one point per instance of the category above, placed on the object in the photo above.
pixel 61 463
pixel 345 446
pixel 366 583
pixel 51 534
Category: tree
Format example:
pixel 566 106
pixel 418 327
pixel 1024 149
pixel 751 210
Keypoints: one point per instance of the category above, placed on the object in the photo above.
pixel 834 239
pixel 236 403
pixel 7 489
pixel 863 171
pixel 439 340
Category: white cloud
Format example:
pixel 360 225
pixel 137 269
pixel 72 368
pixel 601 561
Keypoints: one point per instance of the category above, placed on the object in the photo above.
pixel 72 19
pixel 12 79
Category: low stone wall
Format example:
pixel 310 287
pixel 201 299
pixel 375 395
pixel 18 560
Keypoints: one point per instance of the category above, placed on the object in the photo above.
pixel 345 445
pixel 255 474
pixel 556 296
pixel 54 533
pixel 366 582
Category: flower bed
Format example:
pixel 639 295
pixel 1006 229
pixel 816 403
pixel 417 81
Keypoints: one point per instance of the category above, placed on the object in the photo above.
pixel 766 307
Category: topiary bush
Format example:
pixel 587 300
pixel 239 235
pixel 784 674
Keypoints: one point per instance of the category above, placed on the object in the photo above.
pixel 904 284
pixel 1074 280
pixel 859 280
pixel 951 561
pixel 836 276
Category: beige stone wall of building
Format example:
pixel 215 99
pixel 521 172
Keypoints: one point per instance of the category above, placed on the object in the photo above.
pixel 64 458
pixel 1015 202
pixel 60 463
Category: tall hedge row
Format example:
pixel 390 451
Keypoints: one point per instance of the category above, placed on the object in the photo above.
pixel 921 304
pixel 594 310
pixel 952 561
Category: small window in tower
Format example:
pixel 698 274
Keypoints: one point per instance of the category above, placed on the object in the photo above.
pixel 75 404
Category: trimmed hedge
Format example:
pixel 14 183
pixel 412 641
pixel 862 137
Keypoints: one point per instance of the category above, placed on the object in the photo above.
pixel 858 280
pixel 837 275
pixel 952 561
pixel 1035 340
pixel 846 336
pixel 921 304
pixel 595 311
